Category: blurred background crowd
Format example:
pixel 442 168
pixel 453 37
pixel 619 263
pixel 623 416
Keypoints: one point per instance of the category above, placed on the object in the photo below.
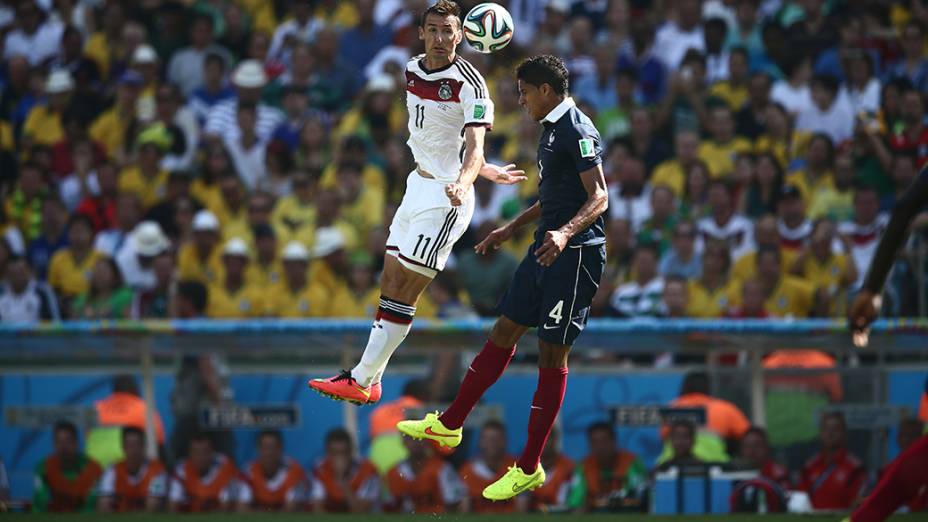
pixel 244 158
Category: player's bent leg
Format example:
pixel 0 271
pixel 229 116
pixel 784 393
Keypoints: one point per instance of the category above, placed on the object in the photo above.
pixel 484 370
pixel 400 291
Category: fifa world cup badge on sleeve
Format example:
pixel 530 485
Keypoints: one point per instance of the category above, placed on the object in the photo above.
pixel 479 111
pixel 586 148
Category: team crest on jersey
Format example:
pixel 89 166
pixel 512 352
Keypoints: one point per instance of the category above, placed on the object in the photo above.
pixel 444 92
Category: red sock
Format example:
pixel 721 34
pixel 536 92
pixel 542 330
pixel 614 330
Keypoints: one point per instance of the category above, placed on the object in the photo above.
pixel 547 402
pixel 484 370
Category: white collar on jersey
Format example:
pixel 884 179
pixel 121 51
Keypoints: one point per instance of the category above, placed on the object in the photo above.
pixel 560 110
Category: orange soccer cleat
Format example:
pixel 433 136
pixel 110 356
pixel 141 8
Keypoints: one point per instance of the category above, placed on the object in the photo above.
pixel 343 387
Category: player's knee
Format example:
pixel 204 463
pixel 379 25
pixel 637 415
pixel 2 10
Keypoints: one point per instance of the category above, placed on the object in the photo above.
pixel 552 355
pixel 506 333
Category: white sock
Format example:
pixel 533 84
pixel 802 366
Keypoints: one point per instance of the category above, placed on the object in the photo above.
pixel 393 322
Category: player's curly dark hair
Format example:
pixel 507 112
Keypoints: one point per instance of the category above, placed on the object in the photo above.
pixel 544 68
pixel 442 8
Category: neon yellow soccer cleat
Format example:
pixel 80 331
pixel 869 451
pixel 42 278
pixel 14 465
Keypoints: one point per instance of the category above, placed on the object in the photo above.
pixel 432 429
pixel 515 481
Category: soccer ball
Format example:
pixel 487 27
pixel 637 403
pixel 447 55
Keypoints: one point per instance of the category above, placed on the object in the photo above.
pixel 488 27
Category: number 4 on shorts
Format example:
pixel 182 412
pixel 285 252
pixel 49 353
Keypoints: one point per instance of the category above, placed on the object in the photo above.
pixel 557 312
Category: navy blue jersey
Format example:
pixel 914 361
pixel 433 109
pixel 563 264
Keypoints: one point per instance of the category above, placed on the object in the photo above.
pixel 569 145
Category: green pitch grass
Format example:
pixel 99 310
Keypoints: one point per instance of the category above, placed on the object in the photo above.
pixel 305 517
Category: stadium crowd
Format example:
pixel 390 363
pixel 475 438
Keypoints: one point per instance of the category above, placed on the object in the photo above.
pixel 112 474
pixel 250 154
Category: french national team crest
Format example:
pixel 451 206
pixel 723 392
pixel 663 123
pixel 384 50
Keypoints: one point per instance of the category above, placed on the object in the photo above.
pixel 444 92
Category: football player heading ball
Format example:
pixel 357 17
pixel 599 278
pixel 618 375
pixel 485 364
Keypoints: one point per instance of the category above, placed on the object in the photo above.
pixel 449 106
pixel 555 283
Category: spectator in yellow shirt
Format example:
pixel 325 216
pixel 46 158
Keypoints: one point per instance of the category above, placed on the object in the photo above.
pixel 353 148
pixel 330 261
pixel 146 179
pixel 231 208
pixel 295 215
pixel 105 46
pixel 734 90
pixel 766 234
pixel 200 260
pixel 837 202
pixel 713 293
pixel 71 267
pixel 720 151
pixel 24 204
pixel 362 206
pixel 827 271
pixel 786 296
pixel 816 175
pixel 295 296
pixel 359 298
pixel 753 302
pixel 234 296
pixel 111 129
pixel 43 123
pixel 779 137
pixel 266 270
pixel 673 172
pixel 329 215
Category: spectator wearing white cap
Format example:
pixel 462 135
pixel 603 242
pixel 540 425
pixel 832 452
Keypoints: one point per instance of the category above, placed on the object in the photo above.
pixel 186 66
pixel 330 261
pixel 43 123
pixel 233 296
pixel 36 37
pixel 249 79
pixel 295 296
pixel 145 60
pixel 136 258
pixel 200 259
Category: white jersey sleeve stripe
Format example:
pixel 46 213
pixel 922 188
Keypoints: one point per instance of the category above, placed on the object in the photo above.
pixel 471 79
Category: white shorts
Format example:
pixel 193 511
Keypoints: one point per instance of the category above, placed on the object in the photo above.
pixel 426 226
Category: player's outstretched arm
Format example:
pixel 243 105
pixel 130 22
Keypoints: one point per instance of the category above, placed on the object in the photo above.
pixel 865 308
pixel 470 167
pixel 503 233
pixel 596 203
pixel 505 175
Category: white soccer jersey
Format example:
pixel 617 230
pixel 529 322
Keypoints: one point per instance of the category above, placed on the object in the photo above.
pixel 738 232
pixel 441 103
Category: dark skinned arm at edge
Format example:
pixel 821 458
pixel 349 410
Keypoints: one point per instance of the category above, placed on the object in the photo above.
pixel 865 307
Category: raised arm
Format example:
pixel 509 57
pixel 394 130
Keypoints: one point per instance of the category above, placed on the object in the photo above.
pixel 470 167
pixel 866 305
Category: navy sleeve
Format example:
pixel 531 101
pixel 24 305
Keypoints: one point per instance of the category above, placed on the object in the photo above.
pixel 902 215
pixel 585 147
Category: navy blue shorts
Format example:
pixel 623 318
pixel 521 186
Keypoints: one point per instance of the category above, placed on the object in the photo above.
pixel 556 298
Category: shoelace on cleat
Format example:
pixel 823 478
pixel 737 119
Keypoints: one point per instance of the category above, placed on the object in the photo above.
pixel 343 376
